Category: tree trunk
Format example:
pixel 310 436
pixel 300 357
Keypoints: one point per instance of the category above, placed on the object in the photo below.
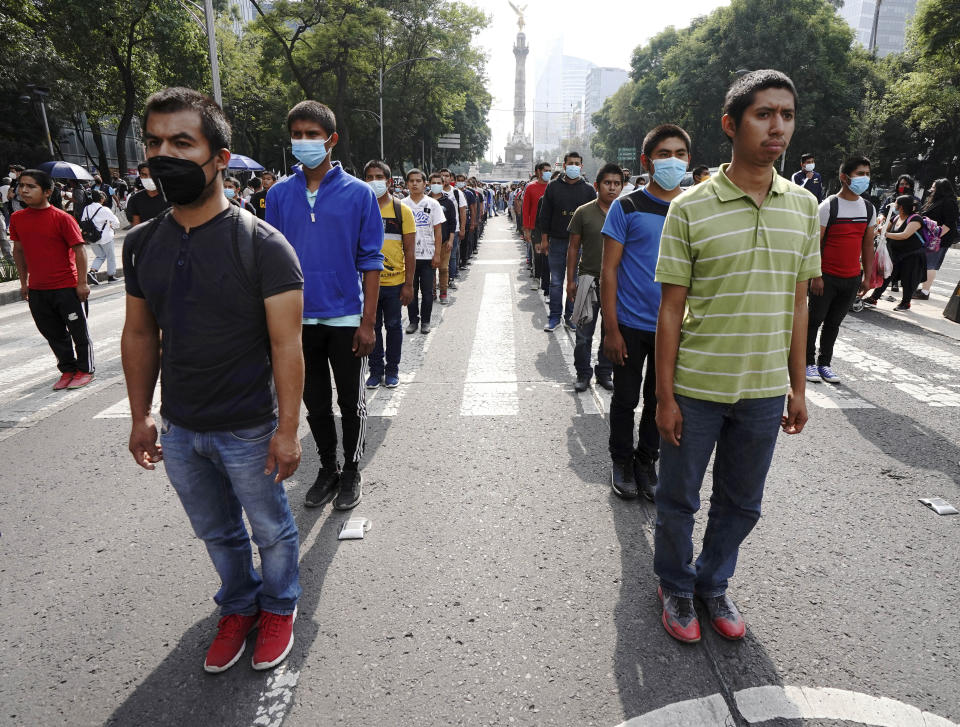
pixel 104 163
pixel 81 136
pixel 129 99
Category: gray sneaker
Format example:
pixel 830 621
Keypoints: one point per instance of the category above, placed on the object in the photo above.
pixel 412 328
pixel 424 328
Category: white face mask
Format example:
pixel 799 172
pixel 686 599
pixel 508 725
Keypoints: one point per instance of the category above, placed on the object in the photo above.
pixel 809 167
pixel 148 184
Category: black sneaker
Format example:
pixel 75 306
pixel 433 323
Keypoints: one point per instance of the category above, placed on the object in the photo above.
pixel 894 288
pixel 621 479
pixel 581 385
pixel 645 475
pixel 351 490
pixel 921 294
pixel 324 487
pixel 92 278
pixel 606 382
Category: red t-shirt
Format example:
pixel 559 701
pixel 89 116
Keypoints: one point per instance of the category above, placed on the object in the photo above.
pixel 531 197
pixel 48 237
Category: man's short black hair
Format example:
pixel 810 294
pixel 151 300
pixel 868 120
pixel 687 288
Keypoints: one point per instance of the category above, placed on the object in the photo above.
pixel 415 170
pixel 376 164
pixel 141 166
pixel 743 91
pixel 851 163
pixel 569 154
pixel 542 165
pixel 659 133
pixel 97 196
pixel 15 167
pixel 43 180
pixel 254 183
pixel 609 168
pixel 435 174
pixel 272 175
pixel 213 122
pixel 461 176
pixel 234 181
pixel 699 170
pixel 804 157
pixel 313 111
pixel 444 169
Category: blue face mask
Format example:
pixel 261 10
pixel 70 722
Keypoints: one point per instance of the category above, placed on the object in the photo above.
pixel 461 185
pixel 668 173
pixel 859 185
pixel 547 175
pixel 230 193
pixel 379 187
pixel 311 152
pixel 572 171
pixel 436 188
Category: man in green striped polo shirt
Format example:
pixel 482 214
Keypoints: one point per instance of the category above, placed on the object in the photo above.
pixel 735 257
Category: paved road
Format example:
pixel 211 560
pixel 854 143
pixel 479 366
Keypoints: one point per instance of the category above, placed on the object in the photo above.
pixel 501 583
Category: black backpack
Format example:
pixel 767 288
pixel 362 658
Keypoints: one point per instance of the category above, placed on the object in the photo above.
pixel 89 230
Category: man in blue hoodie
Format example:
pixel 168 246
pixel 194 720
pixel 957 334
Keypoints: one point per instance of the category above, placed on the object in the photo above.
pixel 333 222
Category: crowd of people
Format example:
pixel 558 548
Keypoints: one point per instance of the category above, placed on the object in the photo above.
pixel 267 294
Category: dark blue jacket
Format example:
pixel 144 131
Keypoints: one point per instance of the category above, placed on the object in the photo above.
pixel 337 239
pixel 813 185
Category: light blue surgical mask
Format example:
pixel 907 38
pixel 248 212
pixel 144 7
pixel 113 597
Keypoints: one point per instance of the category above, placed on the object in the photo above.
pixel 436 188
pixel 547 175
pixel 379 187
pixel 461 185
pixel 311 152
pixel 572 171
pixel 668 173
pixel 230 193
pixel 859 185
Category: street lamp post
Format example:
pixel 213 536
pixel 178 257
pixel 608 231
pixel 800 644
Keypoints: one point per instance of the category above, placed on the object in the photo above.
pixel 208 27
pixel 381 72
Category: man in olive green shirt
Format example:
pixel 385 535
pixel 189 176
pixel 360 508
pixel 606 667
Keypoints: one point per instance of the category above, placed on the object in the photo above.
pixel 586 244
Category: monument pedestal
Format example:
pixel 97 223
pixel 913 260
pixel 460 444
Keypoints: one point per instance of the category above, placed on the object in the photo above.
pixel 518 159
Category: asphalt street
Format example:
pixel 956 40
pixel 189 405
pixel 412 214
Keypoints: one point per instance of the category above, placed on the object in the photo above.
pixel 501 582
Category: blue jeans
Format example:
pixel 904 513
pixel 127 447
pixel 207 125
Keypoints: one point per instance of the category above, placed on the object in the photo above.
pixel 219 476
pixel 454 256
pixel 582 349
pixel 388 316
pixel 558 278
pixel 744 434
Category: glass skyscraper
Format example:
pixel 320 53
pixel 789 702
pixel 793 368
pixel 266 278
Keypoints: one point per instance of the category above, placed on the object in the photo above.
pixel 880 24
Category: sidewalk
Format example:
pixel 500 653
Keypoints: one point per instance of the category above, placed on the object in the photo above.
pixel 927 314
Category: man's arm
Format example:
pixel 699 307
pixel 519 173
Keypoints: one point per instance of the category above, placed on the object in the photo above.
pixel 140 354
pixel 816 284
pixel 21 261
pixel 613 344
pixel 573 258
pixel 462 212
pixel 437 245
pixel 83 289
pixel 673 301
pixel 409 266
pixel 284 324
pixel 364 338
pixel 867 258
pixel 544 218
pixel 796 417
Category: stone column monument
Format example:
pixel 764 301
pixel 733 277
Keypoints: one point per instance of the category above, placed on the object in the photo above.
pixel 518 153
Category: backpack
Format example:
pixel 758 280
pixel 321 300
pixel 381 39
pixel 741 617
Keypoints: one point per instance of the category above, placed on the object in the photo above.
pixel 89 231
pixel 835 211
pixel 930 233
pixel 246 244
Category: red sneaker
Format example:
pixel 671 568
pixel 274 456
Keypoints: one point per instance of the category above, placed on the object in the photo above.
pixel 229 642
pixel 725 618
pixel 64 380
pixel 274 640
pixel 81 378
pixel 679 617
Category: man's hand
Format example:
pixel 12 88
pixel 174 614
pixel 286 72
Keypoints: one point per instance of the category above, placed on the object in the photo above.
pixel 864 287
pixel 284 455
pixel 526 235
pixel 83 291
pixel 435 261
pixel 545 246
pixel 24 292
pixel 406 294
pixel 796 417
pixel 363 340
pixel 572 290
pixel 669 421
pixel 143 443
pixel 615 348
pixel 816 286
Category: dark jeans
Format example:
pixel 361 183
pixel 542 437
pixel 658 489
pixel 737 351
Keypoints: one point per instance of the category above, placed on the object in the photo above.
pixel 828 310
pixel 388 316
pixel 60 319
pixel 325 348
pixel 744 435
pixel 910 271
pixel 628 384
pixel 558 278
pixel 454 263
pixel 422 285
pixel 583 349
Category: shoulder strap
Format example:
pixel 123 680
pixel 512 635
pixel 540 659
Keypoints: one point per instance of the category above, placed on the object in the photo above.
pixel 870 209
pixel 245 241
pixel 397 212
pixel 834 210
pixel 151 228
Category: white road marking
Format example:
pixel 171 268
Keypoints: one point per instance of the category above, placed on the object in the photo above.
pixel 504 261
pixel 828 396
pixel 911 343
pixel 121 410
pixel 709 711
pixel 490 388
pixel 907 381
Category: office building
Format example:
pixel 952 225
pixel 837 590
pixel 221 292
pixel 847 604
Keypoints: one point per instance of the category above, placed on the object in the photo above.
pixel 879 24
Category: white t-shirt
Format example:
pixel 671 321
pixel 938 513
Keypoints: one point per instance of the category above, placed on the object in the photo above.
pixel 101 217
pixel 846 210
pixel 426 213
pixel 459 200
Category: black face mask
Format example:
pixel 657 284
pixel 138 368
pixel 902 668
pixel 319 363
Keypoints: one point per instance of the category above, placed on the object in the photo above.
pixel 180 181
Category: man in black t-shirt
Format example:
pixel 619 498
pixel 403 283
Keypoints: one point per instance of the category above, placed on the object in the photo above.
pixel 228 305
pixel 148 202
pixel 259 198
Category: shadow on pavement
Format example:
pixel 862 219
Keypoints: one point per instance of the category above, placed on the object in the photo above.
pixel 179 692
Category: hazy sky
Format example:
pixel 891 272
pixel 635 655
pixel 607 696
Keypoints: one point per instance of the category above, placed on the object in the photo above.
pixel 602 31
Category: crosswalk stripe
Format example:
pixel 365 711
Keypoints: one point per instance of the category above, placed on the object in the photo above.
pixel 491 384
